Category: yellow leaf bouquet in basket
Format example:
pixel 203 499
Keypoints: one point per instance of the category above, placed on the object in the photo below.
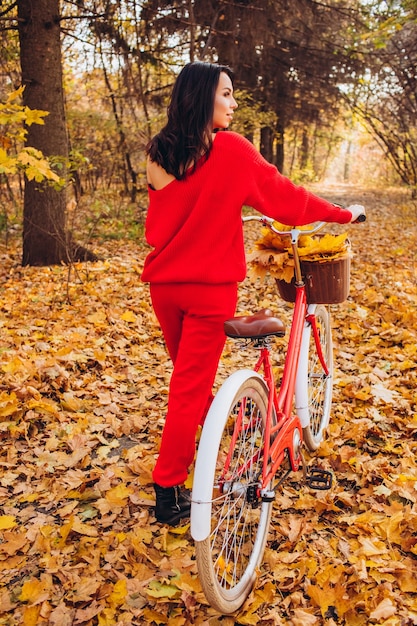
pixel 325 264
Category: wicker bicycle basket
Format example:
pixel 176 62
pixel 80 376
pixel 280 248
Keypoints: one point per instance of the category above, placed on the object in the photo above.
pixel 326 281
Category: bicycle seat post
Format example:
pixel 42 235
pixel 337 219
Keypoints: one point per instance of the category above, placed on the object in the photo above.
pixel 295 233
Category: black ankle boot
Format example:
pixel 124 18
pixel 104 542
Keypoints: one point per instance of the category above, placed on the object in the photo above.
pixel 172 504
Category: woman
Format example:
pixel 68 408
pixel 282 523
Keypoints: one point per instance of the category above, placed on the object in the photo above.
pixel 198 181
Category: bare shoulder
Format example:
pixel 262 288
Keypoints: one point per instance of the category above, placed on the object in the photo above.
pixel 157 176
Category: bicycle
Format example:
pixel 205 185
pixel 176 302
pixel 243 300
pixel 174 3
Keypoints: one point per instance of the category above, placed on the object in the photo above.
pixel 253 437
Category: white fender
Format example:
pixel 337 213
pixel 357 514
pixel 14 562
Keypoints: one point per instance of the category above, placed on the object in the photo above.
pixel 205 465
pixel 301 387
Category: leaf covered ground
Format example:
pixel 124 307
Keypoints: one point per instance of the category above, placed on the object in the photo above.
pixel 83 387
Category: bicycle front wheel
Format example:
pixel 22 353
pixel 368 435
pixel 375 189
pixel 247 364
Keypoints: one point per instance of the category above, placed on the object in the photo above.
pixel 314 387
pixel 229 520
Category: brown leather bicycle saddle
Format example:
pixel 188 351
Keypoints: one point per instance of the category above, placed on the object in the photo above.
pixel 254 326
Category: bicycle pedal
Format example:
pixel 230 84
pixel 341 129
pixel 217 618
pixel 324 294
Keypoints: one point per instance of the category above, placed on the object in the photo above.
pixel 318 478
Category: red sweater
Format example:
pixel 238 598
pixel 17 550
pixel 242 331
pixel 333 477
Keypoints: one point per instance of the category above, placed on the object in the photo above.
pixel 195 225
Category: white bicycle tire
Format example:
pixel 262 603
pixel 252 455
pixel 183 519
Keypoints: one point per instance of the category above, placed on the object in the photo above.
pixel 313 434
pixel 225 599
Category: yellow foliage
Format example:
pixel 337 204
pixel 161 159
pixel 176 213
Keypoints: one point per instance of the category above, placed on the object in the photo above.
pixel 7 521
pixel 8 164
pixel 118 594
pixel 83 529
pixel 129 316
pixel 43 405
pixel 161 590
pixel 31 616
pixel 154 617
pixel 78 537
pixel 106 618
pixel 35 591
pixel 16 118
pixel 35 165
pixel 34 116
pixel 118 496
pixel 273 255
pixel 9 404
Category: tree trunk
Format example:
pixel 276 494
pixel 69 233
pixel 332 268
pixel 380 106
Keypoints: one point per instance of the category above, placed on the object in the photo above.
pixel 305 149
pixel 267 140
pixel 44 216
pixel 279 155
pixel 346 169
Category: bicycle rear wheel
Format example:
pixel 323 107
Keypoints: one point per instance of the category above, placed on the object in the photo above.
pixel 229 521
pixel 314 388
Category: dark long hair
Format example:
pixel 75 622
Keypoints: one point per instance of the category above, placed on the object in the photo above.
pixel 187 136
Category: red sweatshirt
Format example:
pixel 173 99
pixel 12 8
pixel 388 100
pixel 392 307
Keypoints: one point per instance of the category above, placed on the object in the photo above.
pixel 195 225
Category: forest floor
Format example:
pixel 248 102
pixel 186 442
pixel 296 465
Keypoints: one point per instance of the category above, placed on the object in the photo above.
pixel 83 389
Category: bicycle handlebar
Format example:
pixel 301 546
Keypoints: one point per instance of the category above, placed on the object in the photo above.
pixel 361 218
pixel 294 232
pixel 269 221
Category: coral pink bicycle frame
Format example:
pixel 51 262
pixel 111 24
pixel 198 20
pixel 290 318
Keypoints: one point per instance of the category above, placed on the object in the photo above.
pixel 283 430
pixel 287 432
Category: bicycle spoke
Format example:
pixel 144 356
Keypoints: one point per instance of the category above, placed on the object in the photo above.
pixel 239 518
pixel 314 388
pixel 233 534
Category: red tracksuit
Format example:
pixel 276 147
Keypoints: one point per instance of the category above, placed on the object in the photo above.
pixel 195 229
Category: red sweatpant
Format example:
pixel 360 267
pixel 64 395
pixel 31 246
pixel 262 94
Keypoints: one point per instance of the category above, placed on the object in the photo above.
pixel 191 318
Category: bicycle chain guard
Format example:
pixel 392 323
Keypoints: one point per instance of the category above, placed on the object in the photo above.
pixel 318 478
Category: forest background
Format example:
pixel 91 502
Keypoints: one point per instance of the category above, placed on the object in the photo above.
pixel 328 92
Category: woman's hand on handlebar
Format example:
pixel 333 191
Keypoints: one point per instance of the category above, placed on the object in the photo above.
pixel 358 213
